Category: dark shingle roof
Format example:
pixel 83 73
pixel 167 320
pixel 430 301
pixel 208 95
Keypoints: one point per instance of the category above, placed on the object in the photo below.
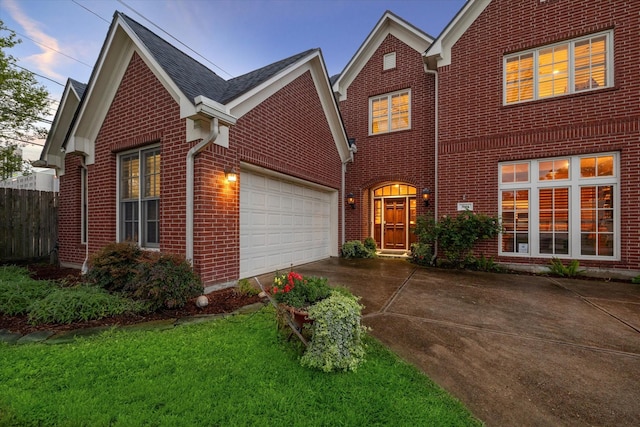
pixel 195 79
pixel 78 87
pixel 244 83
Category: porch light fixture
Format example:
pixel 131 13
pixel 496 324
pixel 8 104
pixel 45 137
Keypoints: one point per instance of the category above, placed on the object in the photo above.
pixel 351 201
pixel 426 195
pixel 230 174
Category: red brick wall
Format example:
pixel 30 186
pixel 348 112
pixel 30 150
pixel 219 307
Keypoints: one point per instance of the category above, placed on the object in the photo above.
pixel 476 131
pixel 71 251
pixel 288 133
pixel 406 156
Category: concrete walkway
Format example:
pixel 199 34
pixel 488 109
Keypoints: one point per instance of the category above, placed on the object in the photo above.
pixel 517 350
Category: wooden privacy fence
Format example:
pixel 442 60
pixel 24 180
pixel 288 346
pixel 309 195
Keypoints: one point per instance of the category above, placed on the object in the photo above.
pixel 28 223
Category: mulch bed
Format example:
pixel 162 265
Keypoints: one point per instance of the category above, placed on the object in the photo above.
pixel 220 301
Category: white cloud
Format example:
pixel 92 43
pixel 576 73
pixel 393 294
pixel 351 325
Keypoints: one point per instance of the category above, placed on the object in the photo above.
pixel 46 61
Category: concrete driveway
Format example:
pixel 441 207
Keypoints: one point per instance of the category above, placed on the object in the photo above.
pixel 515 349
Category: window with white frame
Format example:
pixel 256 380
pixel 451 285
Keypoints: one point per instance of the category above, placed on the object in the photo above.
pixel 562 207
pixel 569 67
pixel 139 197
pixel 390 112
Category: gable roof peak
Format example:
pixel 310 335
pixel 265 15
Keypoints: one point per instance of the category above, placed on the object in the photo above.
pixel 389 23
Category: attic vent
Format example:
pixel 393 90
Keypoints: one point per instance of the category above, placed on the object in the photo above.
pixel 389 61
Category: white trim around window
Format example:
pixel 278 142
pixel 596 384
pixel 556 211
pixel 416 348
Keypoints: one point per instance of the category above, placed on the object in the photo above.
pixel 579 65
pixel 390 112
pixel 138 197
pixel 566 207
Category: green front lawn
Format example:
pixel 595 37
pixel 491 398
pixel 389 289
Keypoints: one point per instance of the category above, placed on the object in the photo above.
pixel 230 372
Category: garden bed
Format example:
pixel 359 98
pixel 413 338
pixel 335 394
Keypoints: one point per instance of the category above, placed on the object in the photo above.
pixel 220 301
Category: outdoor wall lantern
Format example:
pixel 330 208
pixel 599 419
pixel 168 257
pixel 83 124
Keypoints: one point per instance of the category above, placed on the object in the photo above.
pixel 230 174
pixel 426 195
pixel 351 201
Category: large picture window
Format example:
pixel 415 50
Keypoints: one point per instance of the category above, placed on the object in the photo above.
pixel 390 112
pixel 139 197
pixel 564 207
pixel 569 67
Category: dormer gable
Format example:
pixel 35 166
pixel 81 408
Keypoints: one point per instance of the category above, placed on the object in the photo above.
pixel 389 24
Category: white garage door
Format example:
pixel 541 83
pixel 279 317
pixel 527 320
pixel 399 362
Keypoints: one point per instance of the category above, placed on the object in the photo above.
pixel 282 223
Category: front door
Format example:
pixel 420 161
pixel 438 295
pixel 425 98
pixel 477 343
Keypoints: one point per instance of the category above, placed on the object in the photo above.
pixel 395 218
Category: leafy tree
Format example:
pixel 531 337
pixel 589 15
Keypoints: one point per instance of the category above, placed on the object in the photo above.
pixel 22 102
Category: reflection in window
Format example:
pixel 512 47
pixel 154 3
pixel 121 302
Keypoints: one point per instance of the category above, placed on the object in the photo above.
pixel 140 198
pixel 574 213
pixel 553 216
pixel 596 219
pixel 390 112
pixel 515 172
pixel 575 66
pixel 553 169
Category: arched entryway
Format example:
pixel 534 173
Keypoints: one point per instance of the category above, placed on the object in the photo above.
pixel 394 216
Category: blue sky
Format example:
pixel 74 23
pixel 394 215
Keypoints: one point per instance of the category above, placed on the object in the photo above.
pixel 62 38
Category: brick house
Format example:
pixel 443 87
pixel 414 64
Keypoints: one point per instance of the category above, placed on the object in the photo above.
pixel 241 176
pixel 539 122
pixel 387 103
pixel 535 120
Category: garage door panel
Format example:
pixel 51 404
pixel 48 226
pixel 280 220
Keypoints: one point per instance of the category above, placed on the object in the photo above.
pixel 281 223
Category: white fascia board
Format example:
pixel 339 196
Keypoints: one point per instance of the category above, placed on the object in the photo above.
pixel 59 127
pixel 116 55
pixel 388 24
pixel 440 50
pixel 315 65
pixel 210 108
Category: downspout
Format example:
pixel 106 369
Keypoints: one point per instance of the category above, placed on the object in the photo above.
pixel 352 149
pixel 435 183
pixel 191 155
pixel 85 195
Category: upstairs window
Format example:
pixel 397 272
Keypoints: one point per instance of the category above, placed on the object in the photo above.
pixel 575 66
pixel 390 112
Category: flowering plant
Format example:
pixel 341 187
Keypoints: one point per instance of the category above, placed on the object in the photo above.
pixel 297 291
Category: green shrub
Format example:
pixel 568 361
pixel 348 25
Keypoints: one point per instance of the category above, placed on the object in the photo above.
pixel 297 291
pixel 165 280
pixel 556 267
pixel 114 267
pixel 246 288
pixel 370 244
pixel 484 264
pixel 355 249
pixel 636 280
pixel 422 253
pixel 456 236
pixel 81 303
pixel 337 334
pixel 18 291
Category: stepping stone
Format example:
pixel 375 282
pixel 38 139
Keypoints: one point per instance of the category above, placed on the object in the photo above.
pixel 70 336
pixel 192 320
pixel 154 325
pixel 34 337
pixel 249 309
pixel 9 337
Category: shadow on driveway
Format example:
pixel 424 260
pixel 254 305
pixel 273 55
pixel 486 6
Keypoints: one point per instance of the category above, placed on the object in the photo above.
pixel 515 349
